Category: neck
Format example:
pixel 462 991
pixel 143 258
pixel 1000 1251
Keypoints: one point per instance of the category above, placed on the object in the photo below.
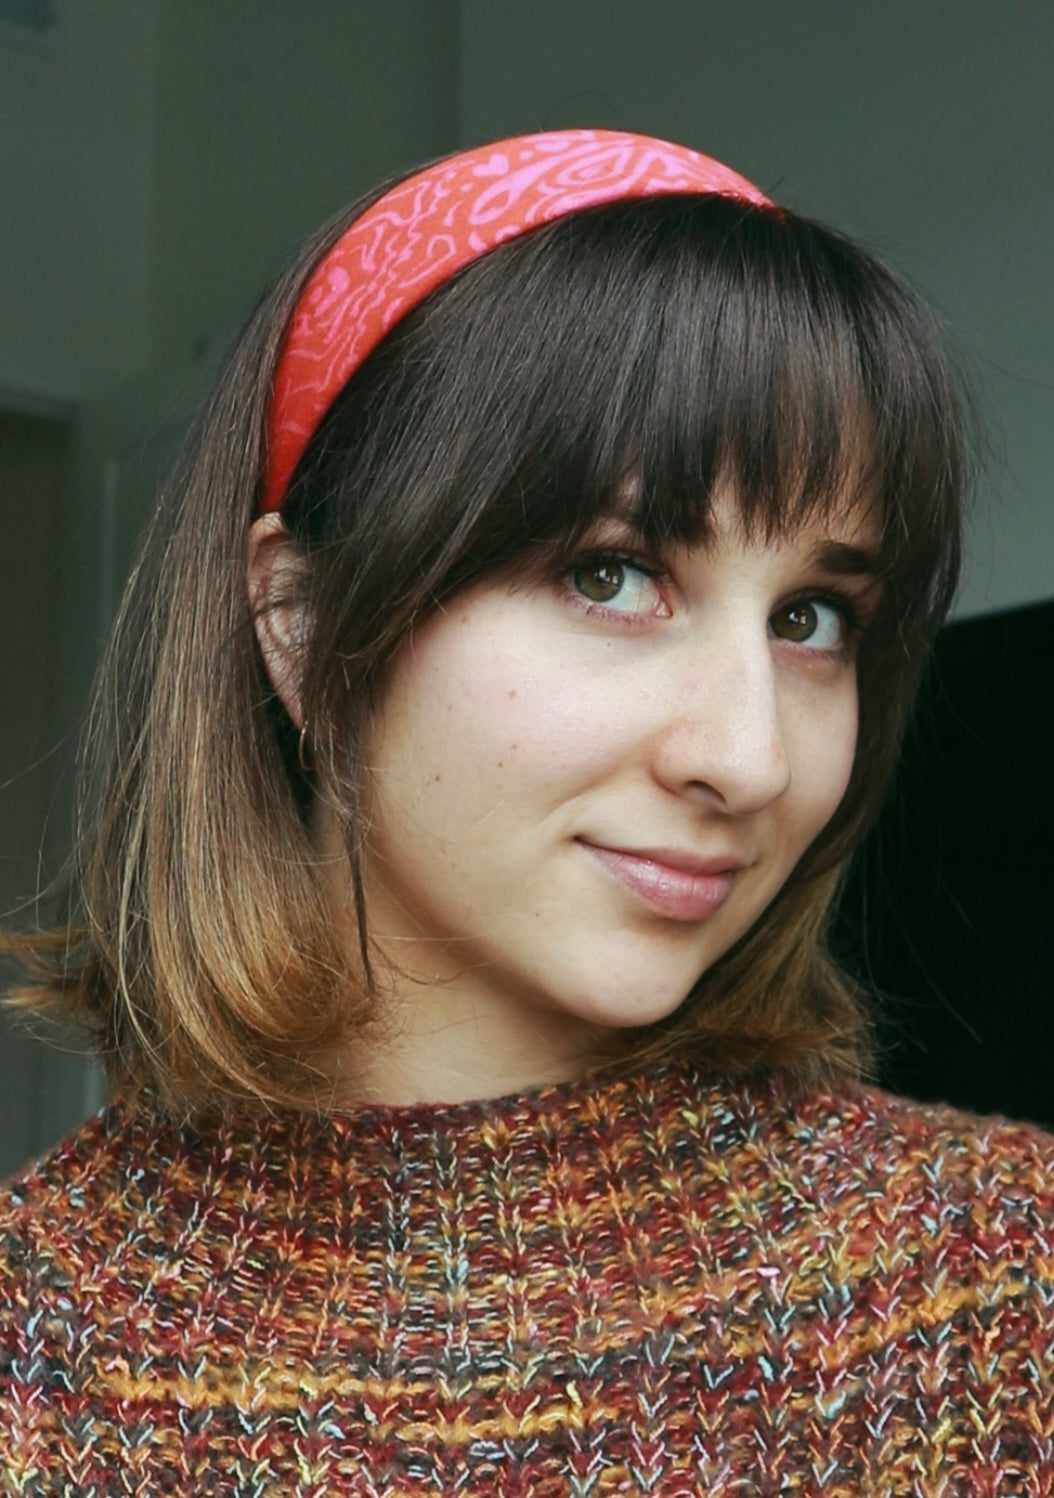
pixel 443 1032
pixel 444 1042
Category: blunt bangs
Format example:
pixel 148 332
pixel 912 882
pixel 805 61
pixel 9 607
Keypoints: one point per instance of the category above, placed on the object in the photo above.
pixel 636 356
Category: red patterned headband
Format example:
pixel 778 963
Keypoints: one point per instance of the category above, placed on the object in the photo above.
pixel 430 225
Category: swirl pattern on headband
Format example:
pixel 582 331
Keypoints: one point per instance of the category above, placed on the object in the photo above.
pixel 432 224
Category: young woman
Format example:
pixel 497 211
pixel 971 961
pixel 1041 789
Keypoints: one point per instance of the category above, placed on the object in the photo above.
pixel 521 648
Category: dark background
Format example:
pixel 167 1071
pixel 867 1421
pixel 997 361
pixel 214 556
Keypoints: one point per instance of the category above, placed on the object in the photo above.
pixel 950 910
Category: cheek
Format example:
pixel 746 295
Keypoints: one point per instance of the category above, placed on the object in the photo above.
pixel 468 714
pixel 826 756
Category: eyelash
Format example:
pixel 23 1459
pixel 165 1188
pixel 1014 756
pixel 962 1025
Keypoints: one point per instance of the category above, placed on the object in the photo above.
pixel 848 606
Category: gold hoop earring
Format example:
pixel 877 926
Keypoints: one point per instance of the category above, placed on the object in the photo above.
pixel 304 753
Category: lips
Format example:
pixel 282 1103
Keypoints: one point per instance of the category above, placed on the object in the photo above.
pixel 674 884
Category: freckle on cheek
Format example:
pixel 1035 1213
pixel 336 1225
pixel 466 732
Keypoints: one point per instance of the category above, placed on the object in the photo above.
pixel 512 691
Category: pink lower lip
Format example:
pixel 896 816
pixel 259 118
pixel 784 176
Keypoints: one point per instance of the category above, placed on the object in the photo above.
pixel 677 894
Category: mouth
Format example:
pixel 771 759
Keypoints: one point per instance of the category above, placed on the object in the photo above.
pixel 674 884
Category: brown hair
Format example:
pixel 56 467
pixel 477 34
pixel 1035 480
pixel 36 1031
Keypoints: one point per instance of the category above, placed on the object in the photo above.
pixel 661 346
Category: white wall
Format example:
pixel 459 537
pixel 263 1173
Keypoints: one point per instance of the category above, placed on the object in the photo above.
pixel 926 129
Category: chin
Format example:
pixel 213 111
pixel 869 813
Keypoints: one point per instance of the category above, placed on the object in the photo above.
pixel 626 1005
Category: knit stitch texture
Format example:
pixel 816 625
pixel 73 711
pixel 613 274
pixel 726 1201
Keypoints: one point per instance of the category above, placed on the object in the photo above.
pixel 659 1284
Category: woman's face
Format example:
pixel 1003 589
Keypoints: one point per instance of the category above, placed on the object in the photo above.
pixel 583 792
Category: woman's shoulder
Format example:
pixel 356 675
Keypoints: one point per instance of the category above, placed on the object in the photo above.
pixel 81 1198
pixel 927 1170
pixel 941 1138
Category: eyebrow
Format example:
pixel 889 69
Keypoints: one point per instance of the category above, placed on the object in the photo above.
pixel 844 560
pixel 839 558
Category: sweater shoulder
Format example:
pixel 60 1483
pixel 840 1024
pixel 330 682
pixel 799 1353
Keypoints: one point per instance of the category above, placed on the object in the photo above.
pixel 81 1198
pixel 929 1161
pixel 884 1120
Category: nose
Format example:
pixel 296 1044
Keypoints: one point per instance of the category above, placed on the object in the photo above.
pixel 724 737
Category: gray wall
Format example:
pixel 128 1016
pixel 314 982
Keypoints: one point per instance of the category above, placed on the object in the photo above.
pixel 77 189
pixel 157 165
pixel 161 159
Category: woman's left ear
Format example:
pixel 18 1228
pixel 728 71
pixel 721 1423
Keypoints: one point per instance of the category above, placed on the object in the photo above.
pixel 276 577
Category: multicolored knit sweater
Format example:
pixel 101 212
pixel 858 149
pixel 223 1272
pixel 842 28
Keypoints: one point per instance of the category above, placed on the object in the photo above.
pixel 657 1285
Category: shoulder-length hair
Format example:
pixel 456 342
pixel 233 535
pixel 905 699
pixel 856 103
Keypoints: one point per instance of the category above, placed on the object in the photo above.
pixel 656 348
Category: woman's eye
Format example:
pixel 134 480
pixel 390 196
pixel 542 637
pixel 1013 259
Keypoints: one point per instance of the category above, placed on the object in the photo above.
pixel 812 622
pixel 615 585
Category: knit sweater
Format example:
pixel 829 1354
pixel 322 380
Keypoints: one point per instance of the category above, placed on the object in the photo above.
pixel 659 1284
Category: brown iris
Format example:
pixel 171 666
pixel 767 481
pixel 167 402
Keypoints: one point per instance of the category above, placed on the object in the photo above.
pixel 799 621
pixel 601 581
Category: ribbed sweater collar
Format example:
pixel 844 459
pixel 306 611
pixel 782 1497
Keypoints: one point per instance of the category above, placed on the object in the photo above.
pixel 597 1171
